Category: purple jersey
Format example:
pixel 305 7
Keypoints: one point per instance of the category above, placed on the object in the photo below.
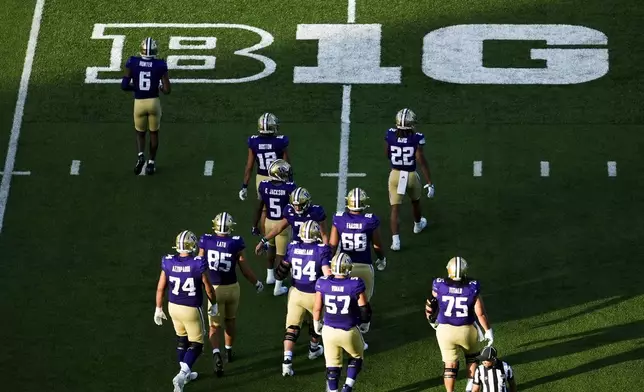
pixel 340 299
pixel 314 212
pixel 456 301
pixel 222 253
pixel 183 274
pixel 306 263
pixel 356 234
pixel 146 75
pixel 402 150
pixel 275 196
pixel 267 148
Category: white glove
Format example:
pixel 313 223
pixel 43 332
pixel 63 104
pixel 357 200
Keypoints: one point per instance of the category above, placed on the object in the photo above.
pixel 434 325
pixel 381 264
pixel 364 328
pixel 430 190
pixel 259 286
pixel 214 309
pixel 159 316
pixel 317 326
pixel 243 193
pixel 489 336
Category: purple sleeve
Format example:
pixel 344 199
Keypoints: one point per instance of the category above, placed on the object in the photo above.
pixel 420 138
pixel 476 287
pixel 375 222
pixel 163 67
pixel 202 242
pixel 289 248
pixel 261 187
pixel 319 285
pixel 326 256
pixel 321 215
pixel 128 63
pixel 285 142
pixel 203 267
pixel 163 268
pixel 360 287
pixel 241 245
pixel 435 285
pixel 250 142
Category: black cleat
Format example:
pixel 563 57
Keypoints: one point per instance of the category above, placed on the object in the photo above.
pixel 149 169
pixel 219 364
pixel 139 164
pixel 229 355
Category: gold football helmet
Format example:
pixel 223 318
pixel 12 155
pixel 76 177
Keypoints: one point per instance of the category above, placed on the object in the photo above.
pixel 186 242
pixel 341 264
pixel 456 268
pixel 268 124
pixel 357 200
pixel 280 170
pixel 223 223
pixel 406 119
pixel 149 48
pixel 300 199
pixel 310 232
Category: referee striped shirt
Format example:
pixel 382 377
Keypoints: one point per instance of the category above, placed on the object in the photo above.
pixel 493 379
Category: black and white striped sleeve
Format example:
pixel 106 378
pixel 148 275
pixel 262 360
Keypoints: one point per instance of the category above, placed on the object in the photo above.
pixel 509 374
pixel 477 376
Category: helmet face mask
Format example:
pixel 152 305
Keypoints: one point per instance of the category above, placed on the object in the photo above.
pixel 223 224
pixel 457 268
pixel 280 170
pixel 300 199
pixel 406 119
pixel 356 200
pixel 310 232
pixel 186 242
pixel 268 124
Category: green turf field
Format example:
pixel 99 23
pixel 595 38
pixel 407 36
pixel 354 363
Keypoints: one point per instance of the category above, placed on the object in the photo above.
pixel 559 258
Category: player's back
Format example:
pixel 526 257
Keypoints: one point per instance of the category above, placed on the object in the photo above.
pixel 356 234
pixel 314 212
pixel 340 298
pixel 402 149
pixel 184 277
pixel 456 301
pixel 306 264
pixel 275 195
pixel 222 254
pixel 267 149
pixel 146 75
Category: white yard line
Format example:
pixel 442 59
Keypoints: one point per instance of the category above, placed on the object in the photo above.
pixel 74 169
pixel 20 173
pixel 207 168
pixel 545 169
pixel 477 168
pixel 345 133
pixel 351 11
pixel 338 174
pixel 612 168
pixel 12 149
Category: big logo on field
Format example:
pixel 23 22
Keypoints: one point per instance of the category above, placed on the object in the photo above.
pixel 200 45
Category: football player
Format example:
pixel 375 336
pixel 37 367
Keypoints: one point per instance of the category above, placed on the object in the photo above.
pixel 274 194
pixel 347 315
pixel 298 211
pixel 457 306
pixel 404 149
pixel 304 260
pixel 224 252
pixel 185 276
pixel 146 76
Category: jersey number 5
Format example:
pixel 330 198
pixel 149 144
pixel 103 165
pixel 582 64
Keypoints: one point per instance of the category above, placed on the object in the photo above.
pixel 402 155
pixel 219 261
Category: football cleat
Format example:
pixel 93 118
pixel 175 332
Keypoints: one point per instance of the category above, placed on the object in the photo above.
pixel 140 162
pixel 405 119
pixel 150 168
pixel 300 199
pixel 218 364
pixel 186 242
pixel 149 48
pixel 278 291
pixel 191 377
pixel 395 243
pixel 420 226
pixel 341 264
pixel 456 268
pixel 280 170
pixel 310 232
pixel 381 264
pixel 287 368
pixel 357 200
pixel 179 381
pixel 347 388
pixel 316 353
pixel 229 355
pixel 268 124
pixel 223 223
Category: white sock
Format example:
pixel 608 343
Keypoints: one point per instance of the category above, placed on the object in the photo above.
pixel 151 161
pixel 313 346
pixel 215 351
pixel 278 284
pixel 470 385
pixel 184 367
pixel 269 274
pixel 288 355
pixel 229 347
pixel 350 381
pixel 395 238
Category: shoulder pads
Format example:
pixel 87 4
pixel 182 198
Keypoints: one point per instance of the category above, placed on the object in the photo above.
pixel 253 137
pixel 354 278
pixel 294 242
pixel 339 213
pixel 169 256
pixel 198 258
pixel 440 280
pixel 236 237
pixel 280 136
pixel 368 215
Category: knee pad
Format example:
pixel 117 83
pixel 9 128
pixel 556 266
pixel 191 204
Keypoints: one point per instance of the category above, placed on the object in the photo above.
pixel 292 336
pixel 182 342
pixel 449 372
pixel 196 347
pixel 470 358
pixel 333 373
pixel 312 331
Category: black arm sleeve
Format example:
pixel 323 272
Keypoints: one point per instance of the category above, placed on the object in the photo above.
pixel 365 313
pixel 282 270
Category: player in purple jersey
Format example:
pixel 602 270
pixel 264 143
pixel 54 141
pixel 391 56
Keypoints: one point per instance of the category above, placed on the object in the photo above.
pixel 298 211
pixel 274 195
pixel 187 277
pixel 456 306
pixel 304 260
pixel 347 315
pixel 404 149
pixel 146 76
pixel 224 252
